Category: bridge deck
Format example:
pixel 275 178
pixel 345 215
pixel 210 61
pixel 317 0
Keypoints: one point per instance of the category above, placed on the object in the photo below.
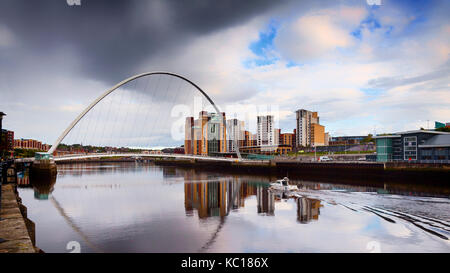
pixel 178 156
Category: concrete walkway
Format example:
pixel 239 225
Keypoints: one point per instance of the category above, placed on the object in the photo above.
pixel 13 224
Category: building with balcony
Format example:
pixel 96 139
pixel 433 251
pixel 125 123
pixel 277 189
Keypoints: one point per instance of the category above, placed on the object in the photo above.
pixel 205 135
pixel 309 132
pixel 265 131
pixel 235 134
pixel 317 135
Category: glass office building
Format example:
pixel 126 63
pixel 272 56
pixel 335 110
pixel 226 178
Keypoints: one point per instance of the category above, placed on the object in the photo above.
pixel 384 149
pixel 414 146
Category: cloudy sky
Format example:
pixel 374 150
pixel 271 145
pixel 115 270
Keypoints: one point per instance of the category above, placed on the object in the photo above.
pixel 364 68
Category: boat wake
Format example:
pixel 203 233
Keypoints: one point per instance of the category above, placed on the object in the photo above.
pixel 391 211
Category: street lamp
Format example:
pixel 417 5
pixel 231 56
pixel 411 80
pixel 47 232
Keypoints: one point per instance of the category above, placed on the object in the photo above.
pixel 315 152
pixel 1 133
pixel 1 168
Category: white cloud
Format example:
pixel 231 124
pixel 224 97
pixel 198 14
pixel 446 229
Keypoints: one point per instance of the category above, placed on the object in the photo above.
pixel 316 34
pixel 335 69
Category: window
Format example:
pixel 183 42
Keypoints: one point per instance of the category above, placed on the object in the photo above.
pixel 410 148
pixel 440 153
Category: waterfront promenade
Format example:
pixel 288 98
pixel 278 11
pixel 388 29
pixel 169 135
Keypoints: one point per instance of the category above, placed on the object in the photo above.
pixel 16 230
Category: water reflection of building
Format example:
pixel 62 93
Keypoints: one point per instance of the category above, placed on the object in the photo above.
pixel 266 201
pixel 215 198
pixel 42 185
pixel 208 198
pixel 23 179
pixel 212 196
pixel 169 172
pixel 307 209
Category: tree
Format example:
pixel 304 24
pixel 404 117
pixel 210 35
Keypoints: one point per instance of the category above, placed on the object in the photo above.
pixel 443 129
pixel 367 139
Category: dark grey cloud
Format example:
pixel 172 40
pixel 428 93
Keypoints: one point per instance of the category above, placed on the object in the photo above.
pixel 56 55
pixel 111 38
pixel 392 82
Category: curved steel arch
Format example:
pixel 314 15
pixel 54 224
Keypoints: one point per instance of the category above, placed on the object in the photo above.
pixel 106 93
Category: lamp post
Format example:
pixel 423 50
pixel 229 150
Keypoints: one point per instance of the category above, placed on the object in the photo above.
pixel 1 134
pixel 1 167
pixel 315 153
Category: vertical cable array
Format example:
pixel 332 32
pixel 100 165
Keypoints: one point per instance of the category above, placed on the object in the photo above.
pixel 138 113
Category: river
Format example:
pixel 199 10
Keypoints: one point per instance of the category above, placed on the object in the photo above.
pixel 140 207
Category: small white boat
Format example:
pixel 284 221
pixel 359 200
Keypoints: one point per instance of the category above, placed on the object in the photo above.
pixel 283 185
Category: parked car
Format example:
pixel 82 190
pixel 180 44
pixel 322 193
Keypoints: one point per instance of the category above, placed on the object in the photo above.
pixel 325 158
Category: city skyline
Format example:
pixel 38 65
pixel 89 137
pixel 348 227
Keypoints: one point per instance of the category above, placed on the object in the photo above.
pixel 223 131
pixel 278 52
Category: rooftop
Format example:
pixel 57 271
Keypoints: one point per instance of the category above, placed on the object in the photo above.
pixel 437 141
pixel 399 134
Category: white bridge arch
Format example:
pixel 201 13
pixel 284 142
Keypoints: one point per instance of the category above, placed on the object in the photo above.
pixel 107 92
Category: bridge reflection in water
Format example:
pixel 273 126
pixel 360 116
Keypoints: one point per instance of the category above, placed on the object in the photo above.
pixel 204 195
pixel 209 197
pixel 138 207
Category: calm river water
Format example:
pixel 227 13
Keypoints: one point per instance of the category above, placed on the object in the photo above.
pixel 138 207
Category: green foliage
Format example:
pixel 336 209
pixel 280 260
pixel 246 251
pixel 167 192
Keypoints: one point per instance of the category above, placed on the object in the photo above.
pixel 95 149
pixel 443 129
pixel 367 139
pixel 24 152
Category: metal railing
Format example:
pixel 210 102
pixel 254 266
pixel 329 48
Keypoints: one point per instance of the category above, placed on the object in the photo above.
pixel 434 161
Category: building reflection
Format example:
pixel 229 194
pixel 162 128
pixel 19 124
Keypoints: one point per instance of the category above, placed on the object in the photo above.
pixel 216 197
pixel 23 179
pixel 307 209
pixel 43 186
pixel 208 198
pixel 212 196
pixel 266 201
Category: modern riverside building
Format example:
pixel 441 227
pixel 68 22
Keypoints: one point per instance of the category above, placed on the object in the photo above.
pixel 265 131
pixel 205 135
pixel 303 127
pixel 317 135
pixel 216 135
pixel 189 136
pixel 420 146
pixel 287 139
pixel 235 132
pixel 248 139
pixel 309 131
pixel 348 140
